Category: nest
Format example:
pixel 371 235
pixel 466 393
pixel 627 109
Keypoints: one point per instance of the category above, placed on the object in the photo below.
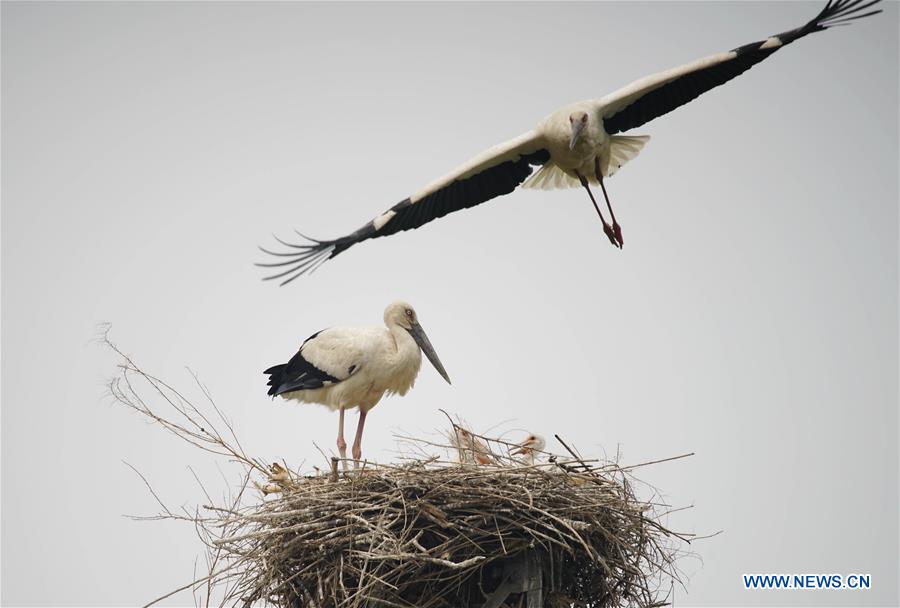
pixel 437 530
pixel 434 535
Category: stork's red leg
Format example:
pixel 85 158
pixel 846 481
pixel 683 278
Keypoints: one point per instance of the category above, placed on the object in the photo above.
pixel 617 230
pixel 357 443
pixel 341 444
pixel 607 229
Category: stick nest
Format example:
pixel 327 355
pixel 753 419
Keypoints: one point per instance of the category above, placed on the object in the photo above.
pixel 436 531
pixel 439 536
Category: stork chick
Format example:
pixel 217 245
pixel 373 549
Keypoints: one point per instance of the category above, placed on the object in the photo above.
pixel 530 447
pixel 470 449
pixel 347 367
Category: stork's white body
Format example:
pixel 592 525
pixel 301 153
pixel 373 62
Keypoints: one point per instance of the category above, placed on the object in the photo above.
pixel 354 367
pixel 385 360
pixel 556 131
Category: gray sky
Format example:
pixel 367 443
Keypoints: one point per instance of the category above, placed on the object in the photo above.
pixel 751 317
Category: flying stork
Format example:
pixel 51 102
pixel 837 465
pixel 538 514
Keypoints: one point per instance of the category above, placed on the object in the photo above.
pixel 579 144
pixel 347 367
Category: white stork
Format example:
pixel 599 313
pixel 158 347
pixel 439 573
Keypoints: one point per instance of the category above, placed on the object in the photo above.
pixel 577 144
pixel 347 367
pixel 530 447
pixel 470 449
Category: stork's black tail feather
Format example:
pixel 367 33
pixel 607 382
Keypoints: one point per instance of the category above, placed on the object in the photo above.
pixel 276 378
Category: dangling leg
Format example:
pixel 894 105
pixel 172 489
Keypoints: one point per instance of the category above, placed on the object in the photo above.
pixel 607 229
pixel 341 444
pixel 357 443
pixel 617 230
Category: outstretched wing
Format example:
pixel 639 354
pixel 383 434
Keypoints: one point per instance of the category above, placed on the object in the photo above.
pixel 653 96
pixel 493 173
pixel 325 358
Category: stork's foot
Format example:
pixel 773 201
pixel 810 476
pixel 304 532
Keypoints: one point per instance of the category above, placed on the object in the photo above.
pixel 617 230
pixel 610 234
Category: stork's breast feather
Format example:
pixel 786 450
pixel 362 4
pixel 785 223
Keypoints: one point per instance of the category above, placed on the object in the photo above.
pixel 398 367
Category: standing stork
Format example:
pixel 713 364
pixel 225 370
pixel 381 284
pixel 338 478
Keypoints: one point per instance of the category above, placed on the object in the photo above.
pixel 347 367
pixel 575 145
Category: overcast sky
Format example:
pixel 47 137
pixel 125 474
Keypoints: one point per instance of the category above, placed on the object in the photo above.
pixel 751 316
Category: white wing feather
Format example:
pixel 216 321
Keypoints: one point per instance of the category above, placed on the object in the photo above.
pixel 509 150
pixel 341 351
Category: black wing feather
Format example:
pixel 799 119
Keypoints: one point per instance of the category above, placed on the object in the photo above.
pixel 297 374
pixel 680 91
pixel 461 194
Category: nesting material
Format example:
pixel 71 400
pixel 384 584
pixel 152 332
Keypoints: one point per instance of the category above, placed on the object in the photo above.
pixel 438 535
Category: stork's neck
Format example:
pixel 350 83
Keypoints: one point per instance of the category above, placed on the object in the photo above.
pixel 592 137
pixel 404 344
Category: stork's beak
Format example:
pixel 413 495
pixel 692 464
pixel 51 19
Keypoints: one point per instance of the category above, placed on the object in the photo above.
pixel 424 343
pixel 530 445
pixel 577 128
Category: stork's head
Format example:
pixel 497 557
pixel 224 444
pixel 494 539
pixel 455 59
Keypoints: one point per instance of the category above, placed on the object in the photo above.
pixel 402 314
pixel 533 443
pixel 578 121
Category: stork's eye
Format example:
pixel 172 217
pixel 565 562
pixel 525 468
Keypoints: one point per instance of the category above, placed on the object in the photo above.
pixel 409 313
